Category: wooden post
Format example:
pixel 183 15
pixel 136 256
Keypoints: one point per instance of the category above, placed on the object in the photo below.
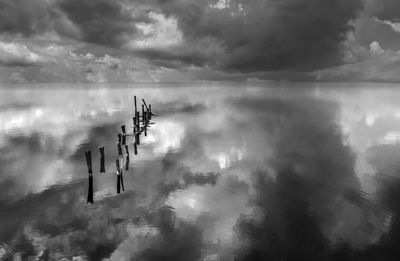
pixel 144 102
pixel 102 166
pixel 123 134
pixel 119 144
pixel 150 113
pixel 90 190
pixel 126 158
pixel 135 105
pixel 88 155
pixel 119 149
pixel 118 176
pixel 134 124
pixel 137 118
pixel 121 176
pixel 143 114
pixel 137 138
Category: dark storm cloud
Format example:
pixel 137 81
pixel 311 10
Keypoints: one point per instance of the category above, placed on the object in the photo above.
pixel 268 34
pixel 245 36
pixel 385 9
pixel 103 22
pixel 25 17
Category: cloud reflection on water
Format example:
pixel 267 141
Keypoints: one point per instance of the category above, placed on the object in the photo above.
pixel 251 174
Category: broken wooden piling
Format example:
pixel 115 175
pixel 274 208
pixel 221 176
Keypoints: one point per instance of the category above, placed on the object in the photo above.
pixel 123 135
pixel 126 157
pixel 135 104
pixel 137 138
pixel 88 155
pixel 120 179
pixel 102 165
pixel 142 114
pixel 118 176
pixel 119 144
pixel 150 113
pixel 135 148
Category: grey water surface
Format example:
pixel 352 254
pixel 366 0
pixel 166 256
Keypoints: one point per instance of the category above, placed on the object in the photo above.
pixel 275 171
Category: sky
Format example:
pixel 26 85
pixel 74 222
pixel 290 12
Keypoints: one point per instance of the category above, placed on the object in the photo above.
pixel 124 41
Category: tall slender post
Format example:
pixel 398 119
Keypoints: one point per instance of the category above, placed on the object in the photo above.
pixel 88 155
pixel 143 114
pixel 137 138
pixel 118 176
pixel 119 144
pixel 150 113
pixel 135 104
pixel 102 165
pixel 135 148
pixel 144 102
pixel 123 134
pixel 145 126
pixel 137 118
pixel 126 157
pixel 121 176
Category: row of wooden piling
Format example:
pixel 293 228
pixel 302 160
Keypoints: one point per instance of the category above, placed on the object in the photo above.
pixel 138 129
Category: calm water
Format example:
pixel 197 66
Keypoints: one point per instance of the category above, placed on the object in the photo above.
pixel 277 172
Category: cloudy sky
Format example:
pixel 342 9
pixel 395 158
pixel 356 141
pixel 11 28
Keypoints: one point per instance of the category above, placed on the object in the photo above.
pixel 189 40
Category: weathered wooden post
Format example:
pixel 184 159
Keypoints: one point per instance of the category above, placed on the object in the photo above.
pixel 88 155
pixel 137 138
pixel 135 104
pixel 137 118
pixel 121 176
pixel 143 114
pixel 119 144
pixel 118 176
pixel 126 157
pixel 150 113
pixel 134 125
pixel 102 166
pixel 123 135
pixel 144 102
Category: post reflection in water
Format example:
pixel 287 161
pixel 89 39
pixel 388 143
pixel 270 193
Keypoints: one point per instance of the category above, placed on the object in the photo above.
pixel 302 172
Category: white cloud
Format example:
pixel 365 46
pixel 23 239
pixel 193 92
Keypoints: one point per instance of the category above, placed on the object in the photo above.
pixel 109 61
pixel 17 54
pixel 162 33
pixel 395 26
pixel 220 4
pixel 376 48
pixel 78 57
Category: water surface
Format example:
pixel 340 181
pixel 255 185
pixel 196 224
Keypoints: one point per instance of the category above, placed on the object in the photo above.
pixel 277 171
